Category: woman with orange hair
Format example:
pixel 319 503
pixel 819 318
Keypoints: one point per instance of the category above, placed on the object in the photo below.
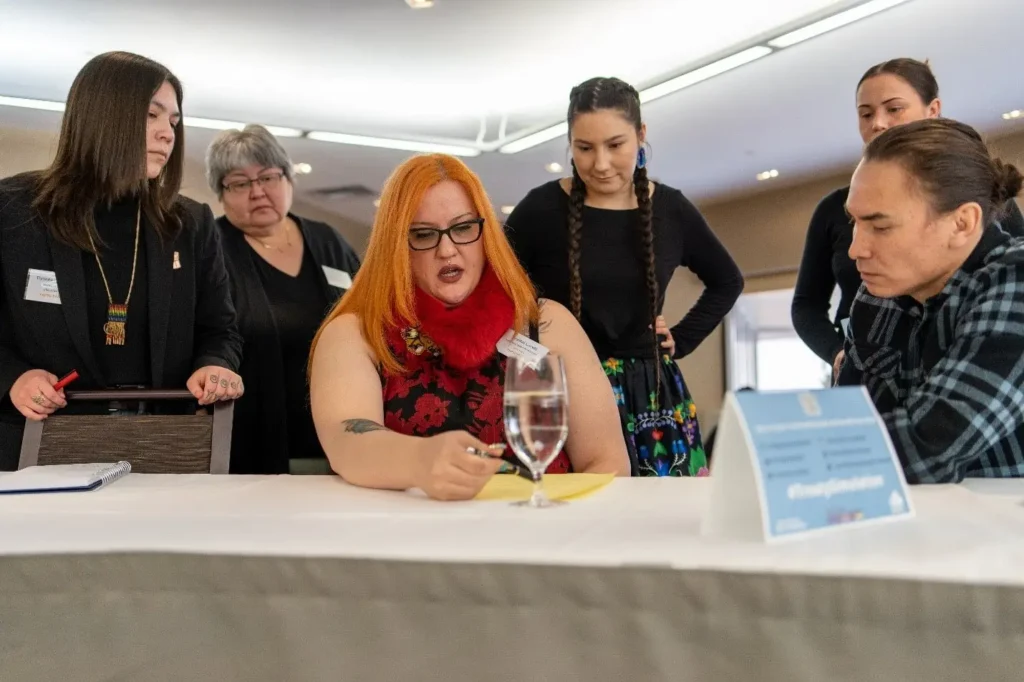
pixel 405 378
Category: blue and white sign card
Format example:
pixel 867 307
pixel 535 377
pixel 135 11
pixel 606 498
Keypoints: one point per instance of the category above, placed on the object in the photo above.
pixel 791 463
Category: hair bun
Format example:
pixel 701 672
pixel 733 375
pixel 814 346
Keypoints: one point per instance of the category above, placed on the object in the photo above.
pixel 1009 182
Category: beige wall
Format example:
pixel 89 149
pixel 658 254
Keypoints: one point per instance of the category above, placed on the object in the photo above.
pixel 25 150
pixel 765 235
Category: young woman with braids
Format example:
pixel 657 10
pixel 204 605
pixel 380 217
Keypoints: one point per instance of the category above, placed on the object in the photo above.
pixel 605 243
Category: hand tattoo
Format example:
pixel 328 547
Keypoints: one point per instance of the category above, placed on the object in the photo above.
pixel 224 383
pixel 362 426
pixel 234 384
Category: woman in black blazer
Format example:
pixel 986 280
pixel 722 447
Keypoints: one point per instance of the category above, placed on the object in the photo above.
pixel 286 273
pixel 104 269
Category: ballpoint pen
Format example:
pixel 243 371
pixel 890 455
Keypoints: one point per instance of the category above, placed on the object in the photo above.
pixel 507 466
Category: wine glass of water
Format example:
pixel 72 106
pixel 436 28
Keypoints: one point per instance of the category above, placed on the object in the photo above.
pixel 536 417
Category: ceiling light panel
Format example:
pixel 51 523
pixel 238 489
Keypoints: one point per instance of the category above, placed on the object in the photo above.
pixel 342 89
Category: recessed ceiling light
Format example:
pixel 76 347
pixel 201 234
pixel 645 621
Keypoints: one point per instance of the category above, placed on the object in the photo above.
pixel 302 168
pixel 389 143
pixel 768 174
pixel 652 93
pixel 833 22
pixel 217 124
pixel 534 139
pixel 507 209
pixel 420 4
pixel 717 68
pixel 704 73
pixel 191 121
pixel 31 103
pixel 553 167
pixel 1016 113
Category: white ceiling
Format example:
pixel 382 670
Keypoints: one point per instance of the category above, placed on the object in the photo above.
pixel 377 67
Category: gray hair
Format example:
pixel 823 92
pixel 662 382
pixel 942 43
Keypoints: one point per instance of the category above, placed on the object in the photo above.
pixel 234 149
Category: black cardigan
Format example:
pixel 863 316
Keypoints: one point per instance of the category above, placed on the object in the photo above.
pixel 259 442
pixel 191 318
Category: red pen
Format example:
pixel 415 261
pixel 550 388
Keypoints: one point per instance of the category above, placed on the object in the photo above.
pixel 72 375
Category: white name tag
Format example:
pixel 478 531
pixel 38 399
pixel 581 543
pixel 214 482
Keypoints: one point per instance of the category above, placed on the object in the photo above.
pixel 41 287
pixel 338 278
pixel 515 345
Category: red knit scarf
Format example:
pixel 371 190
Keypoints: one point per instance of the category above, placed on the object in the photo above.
pixel 464 336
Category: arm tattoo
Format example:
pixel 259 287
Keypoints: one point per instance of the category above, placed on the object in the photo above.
pixel 362 426
pixel 542 325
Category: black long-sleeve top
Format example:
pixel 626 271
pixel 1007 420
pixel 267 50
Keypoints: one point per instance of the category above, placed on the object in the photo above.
pixel 826 263
pixel 615 309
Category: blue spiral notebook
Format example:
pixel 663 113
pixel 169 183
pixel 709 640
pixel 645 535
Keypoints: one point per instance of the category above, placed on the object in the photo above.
pixel 62 478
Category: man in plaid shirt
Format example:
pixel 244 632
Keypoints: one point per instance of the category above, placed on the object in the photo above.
pixel 936 332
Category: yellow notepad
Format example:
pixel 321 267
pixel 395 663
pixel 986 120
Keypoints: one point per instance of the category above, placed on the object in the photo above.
pixel 557 486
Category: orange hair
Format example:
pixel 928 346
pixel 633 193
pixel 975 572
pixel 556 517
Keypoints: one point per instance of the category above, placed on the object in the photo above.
pixel 383 294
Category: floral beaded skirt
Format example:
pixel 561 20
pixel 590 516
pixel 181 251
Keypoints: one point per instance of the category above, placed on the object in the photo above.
pixel 659 422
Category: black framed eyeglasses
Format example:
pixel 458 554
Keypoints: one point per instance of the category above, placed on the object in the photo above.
pixel 426 238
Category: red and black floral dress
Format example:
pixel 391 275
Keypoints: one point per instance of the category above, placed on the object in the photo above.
pixel 455 378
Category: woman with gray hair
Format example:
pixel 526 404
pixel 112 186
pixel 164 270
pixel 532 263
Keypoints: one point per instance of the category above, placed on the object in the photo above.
pixel 286 272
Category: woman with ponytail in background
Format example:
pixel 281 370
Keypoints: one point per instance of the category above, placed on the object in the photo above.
pixel 889 94
pixel 605 243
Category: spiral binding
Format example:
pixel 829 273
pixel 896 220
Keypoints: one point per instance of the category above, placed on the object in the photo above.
pixel 115 472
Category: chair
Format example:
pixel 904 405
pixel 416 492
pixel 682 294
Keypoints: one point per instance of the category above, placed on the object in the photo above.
pixel 152 444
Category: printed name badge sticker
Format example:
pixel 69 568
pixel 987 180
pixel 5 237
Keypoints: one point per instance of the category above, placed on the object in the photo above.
pixel 514 345
pixel 339 279
pixel 799 462
pixel 41 286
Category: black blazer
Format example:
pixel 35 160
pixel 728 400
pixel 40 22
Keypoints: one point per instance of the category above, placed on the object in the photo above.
pixel 259 441
pixel 191 317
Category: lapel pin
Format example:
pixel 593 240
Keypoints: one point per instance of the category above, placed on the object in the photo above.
pixel 177 262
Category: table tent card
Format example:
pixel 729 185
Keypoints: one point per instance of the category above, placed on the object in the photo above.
pixel 792 463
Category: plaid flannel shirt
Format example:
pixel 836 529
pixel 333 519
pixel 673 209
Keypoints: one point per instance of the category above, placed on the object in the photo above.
pixel 947 376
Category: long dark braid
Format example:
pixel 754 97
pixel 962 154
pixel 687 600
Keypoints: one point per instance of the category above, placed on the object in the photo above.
pixel 576 196
pixel 587 97
pixel 642 188
pixel 582 98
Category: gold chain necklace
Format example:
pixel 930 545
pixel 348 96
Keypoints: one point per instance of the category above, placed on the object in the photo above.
pixel 287 237
pixel 117 313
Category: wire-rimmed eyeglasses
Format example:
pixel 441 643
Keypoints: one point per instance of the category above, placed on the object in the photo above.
pixel 265 180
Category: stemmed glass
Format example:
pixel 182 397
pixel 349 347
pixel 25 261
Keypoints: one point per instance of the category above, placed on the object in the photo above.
pixel 536 417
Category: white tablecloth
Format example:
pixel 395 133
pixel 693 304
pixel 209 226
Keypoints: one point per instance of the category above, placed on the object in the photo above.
pixel 958 535
pixel 300 577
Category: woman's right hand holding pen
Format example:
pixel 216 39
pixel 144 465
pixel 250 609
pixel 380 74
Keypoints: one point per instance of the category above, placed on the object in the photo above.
pixel 34 396
pixel 450 469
